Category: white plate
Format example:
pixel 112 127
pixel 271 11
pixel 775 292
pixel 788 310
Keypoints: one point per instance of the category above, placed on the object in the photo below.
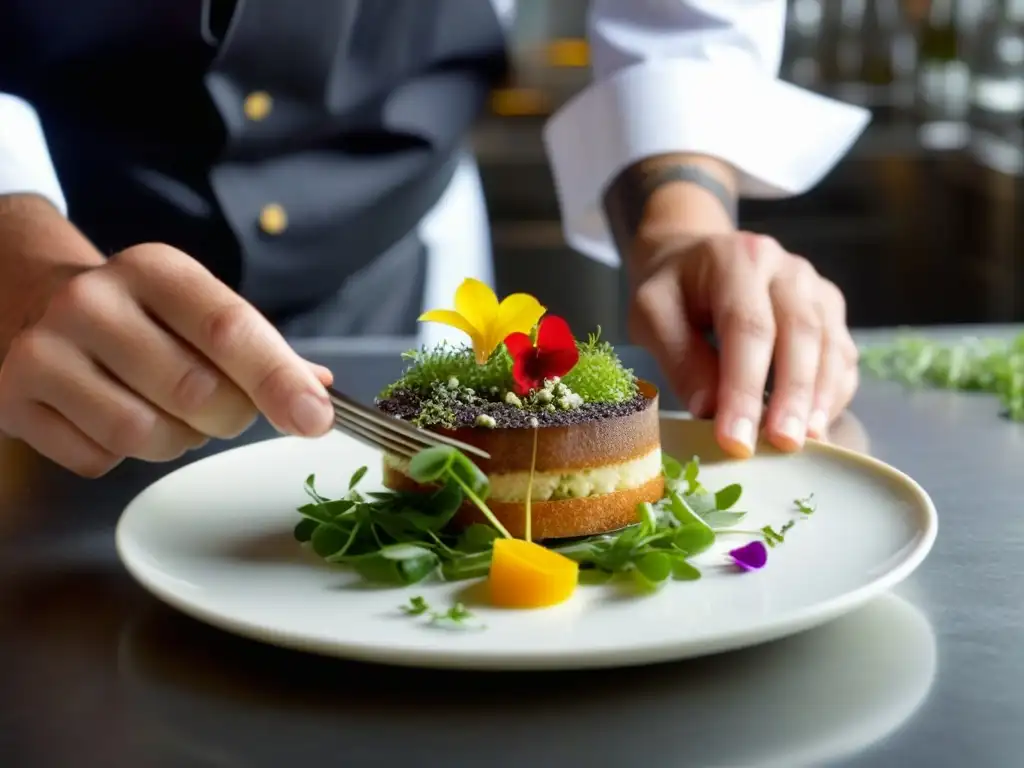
pixel 213 540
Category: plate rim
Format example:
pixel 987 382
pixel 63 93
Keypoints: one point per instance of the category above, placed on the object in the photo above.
pixel 783 625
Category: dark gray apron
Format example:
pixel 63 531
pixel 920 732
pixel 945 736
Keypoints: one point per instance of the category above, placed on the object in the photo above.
pixel 143 104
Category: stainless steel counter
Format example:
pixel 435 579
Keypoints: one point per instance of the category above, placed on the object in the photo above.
pixel 94 672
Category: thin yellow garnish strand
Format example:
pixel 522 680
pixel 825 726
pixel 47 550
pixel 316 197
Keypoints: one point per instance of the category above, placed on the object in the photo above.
pixel 529 483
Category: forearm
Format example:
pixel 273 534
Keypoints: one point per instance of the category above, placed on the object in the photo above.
pixel 669 196
pixel 39 250
pixel 693 79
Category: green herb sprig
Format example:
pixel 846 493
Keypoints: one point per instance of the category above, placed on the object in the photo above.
pixel 973 365
pixel 397 537
pixel 774 537
pixel 402 538
pixel 668 533
pixel 458 616
pixel 806 505
pixel 416 606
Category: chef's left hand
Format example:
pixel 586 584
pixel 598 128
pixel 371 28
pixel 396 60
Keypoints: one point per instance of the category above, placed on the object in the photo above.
pixel 765 306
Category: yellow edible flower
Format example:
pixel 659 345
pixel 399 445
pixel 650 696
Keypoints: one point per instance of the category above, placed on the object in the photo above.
pixel 478 314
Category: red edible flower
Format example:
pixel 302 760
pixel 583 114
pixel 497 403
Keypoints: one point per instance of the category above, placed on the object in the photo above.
pixel 554 355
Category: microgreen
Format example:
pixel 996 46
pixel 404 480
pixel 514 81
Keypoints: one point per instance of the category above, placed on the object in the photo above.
pixel 728 496
pixel 598 376
pixel 402 538
pixel 806 505
pixel 304 529
pixel 416 606
pixel 772 537
pixel 356 477
pixel 310 488
pixel 457 616
pixel 442 462
pixel 677 474
pixel 670 468
pixel 976 365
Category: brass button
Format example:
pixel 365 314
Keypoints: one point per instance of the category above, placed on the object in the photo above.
pixel 257 105
pixel 569 52
pixel 273 219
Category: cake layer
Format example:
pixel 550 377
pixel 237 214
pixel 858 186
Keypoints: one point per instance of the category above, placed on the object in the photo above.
pixel 597 443
pixel 566 518
pixel 567 483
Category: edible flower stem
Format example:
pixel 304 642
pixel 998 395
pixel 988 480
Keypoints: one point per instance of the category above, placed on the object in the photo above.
pixel 529 487
pixel 479 504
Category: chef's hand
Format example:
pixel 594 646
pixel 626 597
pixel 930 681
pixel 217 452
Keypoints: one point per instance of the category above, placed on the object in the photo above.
pixel 148 356
pixel 692 273
pixel 764 305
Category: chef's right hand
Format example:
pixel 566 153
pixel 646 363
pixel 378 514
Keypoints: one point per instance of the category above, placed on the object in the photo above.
pixel 149 356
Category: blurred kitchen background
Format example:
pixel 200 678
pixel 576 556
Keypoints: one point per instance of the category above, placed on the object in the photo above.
pixel 923 223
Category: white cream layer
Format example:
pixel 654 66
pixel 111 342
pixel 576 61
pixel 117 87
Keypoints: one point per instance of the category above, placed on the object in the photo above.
pixel 566 483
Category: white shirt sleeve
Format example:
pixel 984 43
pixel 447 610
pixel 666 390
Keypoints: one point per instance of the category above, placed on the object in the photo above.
pixel 695 76
pixel 25 164
pixel 505 10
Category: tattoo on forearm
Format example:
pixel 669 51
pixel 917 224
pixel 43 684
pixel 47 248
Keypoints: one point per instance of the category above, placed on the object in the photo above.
pixel 627 196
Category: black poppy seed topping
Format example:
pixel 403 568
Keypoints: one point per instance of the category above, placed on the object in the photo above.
pixel 406 404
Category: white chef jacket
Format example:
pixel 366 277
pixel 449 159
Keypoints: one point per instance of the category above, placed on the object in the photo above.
pixel 695 76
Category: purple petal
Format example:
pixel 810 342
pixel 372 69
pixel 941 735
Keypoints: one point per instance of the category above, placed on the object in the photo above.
pixel 750 557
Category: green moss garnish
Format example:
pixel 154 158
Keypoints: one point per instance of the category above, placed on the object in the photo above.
pixel 435 412
pixel 599 376
pixel 445 361
pixel 442 398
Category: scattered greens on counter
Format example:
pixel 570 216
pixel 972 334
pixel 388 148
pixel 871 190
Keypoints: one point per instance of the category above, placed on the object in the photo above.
pixel 401 538
pixel 975 365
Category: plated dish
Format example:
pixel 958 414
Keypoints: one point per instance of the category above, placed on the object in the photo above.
pixel 598 532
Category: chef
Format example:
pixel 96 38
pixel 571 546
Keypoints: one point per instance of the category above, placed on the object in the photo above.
pixel 183 183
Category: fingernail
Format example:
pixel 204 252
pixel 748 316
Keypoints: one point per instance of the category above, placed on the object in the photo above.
pixel 310 414
pixel 742 432
pixel 324 375
pixel 793 429
pixel 817 423
pixel 698 402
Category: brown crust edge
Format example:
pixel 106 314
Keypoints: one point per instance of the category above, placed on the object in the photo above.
pixel 562 519
pixel 594 443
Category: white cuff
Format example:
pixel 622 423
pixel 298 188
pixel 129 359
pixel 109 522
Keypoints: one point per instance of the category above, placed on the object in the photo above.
pixel 25 164
pixel 781 139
